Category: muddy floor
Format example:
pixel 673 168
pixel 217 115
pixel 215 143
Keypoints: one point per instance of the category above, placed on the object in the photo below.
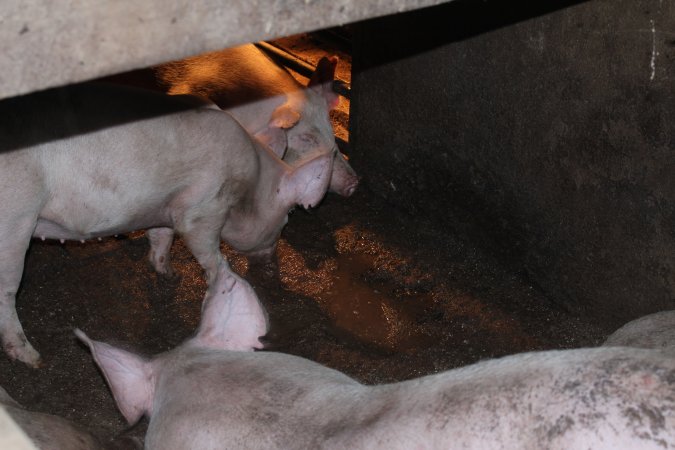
pixel 359 286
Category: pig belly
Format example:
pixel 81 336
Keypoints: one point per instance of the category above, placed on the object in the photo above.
pixel 47 229
pixel 79 219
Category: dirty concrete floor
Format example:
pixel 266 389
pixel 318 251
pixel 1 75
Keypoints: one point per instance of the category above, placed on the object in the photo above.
pixel 360 287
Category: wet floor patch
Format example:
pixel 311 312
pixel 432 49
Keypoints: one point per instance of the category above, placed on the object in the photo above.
pixel 358 303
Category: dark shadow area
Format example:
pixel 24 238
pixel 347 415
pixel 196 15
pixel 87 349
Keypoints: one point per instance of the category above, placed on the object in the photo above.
pixel 65 112
pixel 543 127
pixel 425 29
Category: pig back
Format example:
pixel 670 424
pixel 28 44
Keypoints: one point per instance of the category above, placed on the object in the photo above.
pixel 127 154
pixel 242 80
pixel 652 331
pixel 586 398
pixel 220 399
pixel 229 77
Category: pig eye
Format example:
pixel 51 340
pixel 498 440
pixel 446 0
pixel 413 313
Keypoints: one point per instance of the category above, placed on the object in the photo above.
pixel 290 211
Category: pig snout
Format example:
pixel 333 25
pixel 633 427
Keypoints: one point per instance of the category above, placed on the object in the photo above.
pixel 344 180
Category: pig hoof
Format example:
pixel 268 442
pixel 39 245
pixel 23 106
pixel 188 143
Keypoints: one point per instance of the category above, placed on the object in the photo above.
pixel 163 268
pixel 167 273
pixel 24 353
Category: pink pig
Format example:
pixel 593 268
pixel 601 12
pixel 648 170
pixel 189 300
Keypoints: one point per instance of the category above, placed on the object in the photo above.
pixel 651 331
pixel 96 160
pixel 50 432
pixel 214 392
pixel 292 119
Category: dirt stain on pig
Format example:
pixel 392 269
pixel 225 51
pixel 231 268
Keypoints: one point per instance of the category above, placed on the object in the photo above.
pixel 560 427
pixel 645 415
pixel 196 367
pixel 104 182
pixel 264 415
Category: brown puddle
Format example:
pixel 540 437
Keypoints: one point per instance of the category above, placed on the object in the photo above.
pixel 357 302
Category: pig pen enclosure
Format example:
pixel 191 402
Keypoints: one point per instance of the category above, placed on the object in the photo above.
pixel 517 194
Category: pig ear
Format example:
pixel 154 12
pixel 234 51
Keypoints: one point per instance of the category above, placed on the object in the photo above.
pixel 129 376
pixel 275 139
pixel 322 80
pixel 306 185
pixel 274 134
pixel 232 316
pixel 284 117
pixel 325 71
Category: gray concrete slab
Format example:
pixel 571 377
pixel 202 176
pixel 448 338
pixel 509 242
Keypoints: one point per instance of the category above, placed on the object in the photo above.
pixel 48 43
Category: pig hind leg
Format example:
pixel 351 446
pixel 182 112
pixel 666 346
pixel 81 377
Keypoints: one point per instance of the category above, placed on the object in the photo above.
pixel 14 240
pixel 160 245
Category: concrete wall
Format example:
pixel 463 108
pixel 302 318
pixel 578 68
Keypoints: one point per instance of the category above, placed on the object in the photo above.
pixel 47 43
pixel 554 125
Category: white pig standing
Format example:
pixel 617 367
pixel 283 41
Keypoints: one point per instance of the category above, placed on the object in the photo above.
pixel 92 160
pixel 652 331
pixel 212 393
pixel 292 119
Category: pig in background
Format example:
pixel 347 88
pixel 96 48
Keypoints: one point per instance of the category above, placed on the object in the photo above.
pixel 213 392
pixel 95 160
pixel 49 432
pixel 292 119
pixel 652 331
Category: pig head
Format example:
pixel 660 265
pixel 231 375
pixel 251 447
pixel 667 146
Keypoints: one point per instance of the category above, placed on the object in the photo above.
pixel 89 161
pixel 290 118
pixel 212 392
pixel 232 319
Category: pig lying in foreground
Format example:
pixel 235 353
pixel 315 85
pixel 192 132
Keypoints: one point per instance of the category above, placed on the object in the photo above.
pixel 89 161
pixel 652 331
pixel 49 432
pixel 267 101
pixel 214 392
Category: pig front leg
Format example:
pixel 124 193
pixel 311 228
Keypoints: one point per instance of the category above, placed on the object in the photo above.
pixel 160 245
pixel 14 240
pixel 201 234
